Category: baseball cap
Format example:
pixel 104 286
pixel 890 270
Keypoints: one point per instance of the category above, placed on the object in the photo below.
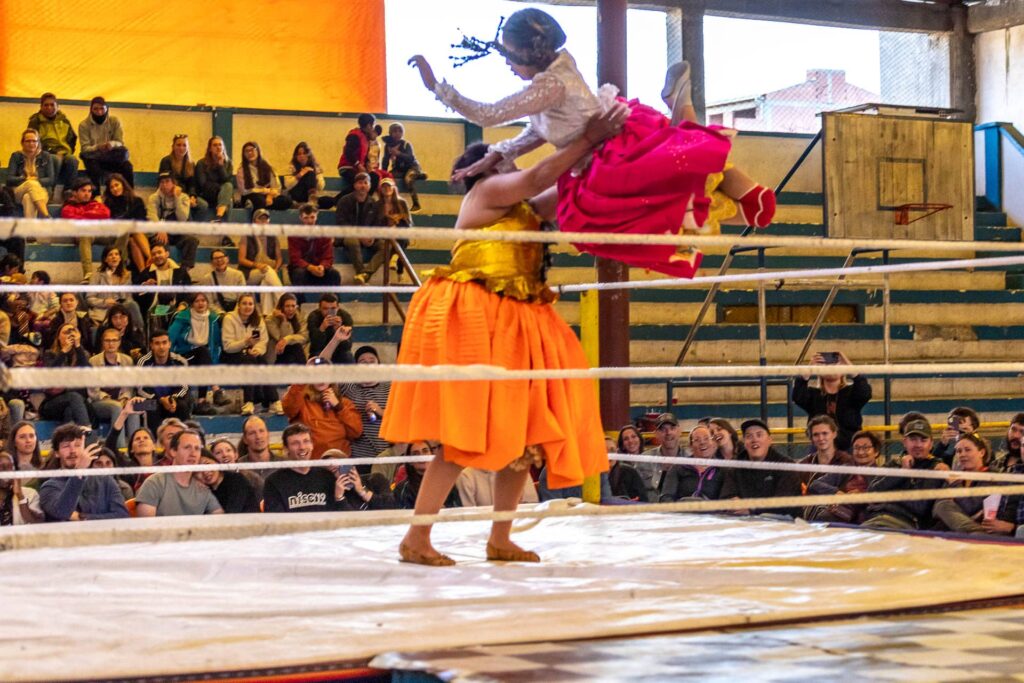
pixel 666 419
pixel 260 213
pixel 753 423
pixel 919 427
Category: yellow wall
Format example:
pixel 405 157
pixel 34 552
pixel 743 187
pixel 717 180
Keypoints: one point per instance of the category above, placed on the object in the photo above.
pixel 323 55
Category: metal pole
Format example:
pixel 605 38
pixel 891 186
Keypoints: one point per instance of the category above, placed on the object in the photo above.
pixel 387 280
pixel 823 312
pixel 613 305
pixel 886 338
pixel 762 332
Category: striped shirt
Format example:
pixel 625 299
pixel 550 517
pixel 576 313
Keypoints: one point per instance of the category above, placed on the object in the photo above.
pixel 370 443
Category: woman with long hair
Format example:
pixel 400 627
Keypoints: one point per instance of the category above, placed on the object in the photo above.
pixel 395 213
pixel 120 318
pixel 112 271
pixel 304 179
pixel 213 178
pixel 244 336
pixel 494 294
pixel 258 184
pixel 623 479
pixel 288 333
pixel 24 446
pixel 124 204
pixel 66 405
pixel 973 453
pixel 195 335
pixel 183 170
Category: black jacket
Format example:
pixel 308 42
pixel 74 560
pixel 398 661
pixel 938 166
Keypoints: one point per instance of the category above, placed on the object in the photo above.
pixel 844 407
pixel 917 512
pixel 763 484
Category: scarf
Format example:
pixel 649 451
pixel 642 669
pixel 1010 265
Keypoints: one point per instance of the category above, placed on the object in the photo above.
pixel 199 333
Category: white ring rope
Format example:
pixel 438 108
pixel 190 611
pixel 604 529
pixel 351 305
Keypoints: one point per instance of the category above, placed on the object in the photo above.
pixel 767 275
pixel 86 378
pixel 220 527
pixel 23 227
pixel 948 475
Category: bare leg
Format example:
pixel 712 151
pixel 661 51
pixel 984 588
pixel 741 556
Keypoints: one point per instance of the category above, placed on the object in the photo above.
pixel 736 183
pixel 508 489
pixel 437 484
pixel 42 211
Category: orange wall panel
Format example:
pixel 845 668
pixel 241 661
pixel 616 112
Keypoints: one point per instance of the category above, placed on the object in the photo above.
pixel 279 54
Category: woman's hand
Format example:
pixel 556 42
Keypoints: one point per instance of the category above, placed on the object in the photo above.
pixel 343 333
pixel 600 127
pixel 489 161
pixel 426 73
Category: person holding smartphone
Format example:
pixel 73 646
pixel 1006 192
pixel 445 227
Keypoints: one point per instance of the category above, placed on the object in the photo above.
pixel 321 326
pixel 353 492
pixel 332 418
pixel 840 396
pixel 244 342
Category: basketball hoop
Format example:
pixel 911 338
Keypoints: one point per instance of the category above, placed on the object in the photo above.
pixel 903 211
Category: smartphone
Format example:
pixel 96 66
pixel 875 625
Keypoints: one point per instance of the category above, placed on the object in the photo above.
pixel 953 422
pixel 147 405
pixel 830 357
pixel 255 334
pixel 344 469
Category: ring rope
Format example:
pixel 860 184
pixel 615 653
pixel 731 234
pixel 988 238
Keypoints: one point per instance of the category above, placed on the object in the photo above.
pixel 769 275
pixel 948 475
pixel 115 228
pixel 220 527
pixel 86 378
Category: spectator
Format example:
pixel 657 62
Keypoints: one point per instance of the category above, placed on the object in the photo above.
pixel 370 399
pixel 359 208
pixel 259 259
pixel 302 489
pixel 961 420
pixel 112 272
pixel 304 181
pixel 19 503
pixel 288 333
pixel 163 271
pixel 133 341
pixel 24 446
pixel 355 156
pixel 76 499
pixel 400 159
pixel 103 149
pixel 213 178
pixel 1009 455
pixel 68 313
pixel 311 260
pixel 822 431
pixel 973 453
pixel 168 203
pixel 172 401
pixel 43 304
pixel 124 204
pixel 164 433
pixel 168 494
pixel 107 402
pixel 623 479
pixel 106 460
pixel 694 481
pixel 244 336
pixel 225 452
pixel 31 175
pixel 332 418
pixel 917 445
pixel 195 335
pixel 841 398
pixel 867 449
pixel 725 437
pixel 475 488
pixel 407 490
pixel 255 443
pixel 141 444
pixel 757 442
pixel 182 170
pixel 667 429
pixel 395 214
pixel 81 206
pixel 57 136
pixel 222 274
pixel 66 405
pixel 258 184
pixel 362 491
pixel 234 493
pixel 324 324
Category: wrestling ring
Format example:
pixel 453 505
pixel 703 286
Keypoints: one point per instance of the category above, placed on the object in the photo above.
pixel 623 592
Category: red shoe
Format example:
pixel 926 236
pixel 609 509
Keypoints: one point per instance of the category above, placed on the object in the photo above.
pixel 758 207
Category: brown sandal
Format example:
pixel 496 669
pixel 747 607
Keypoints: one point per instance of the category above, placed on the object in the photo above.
pixel 499 555
pixel 407 554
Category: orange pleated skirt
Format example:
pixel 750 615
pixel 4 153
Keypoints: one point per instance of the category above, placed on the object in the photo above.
pixel 488 424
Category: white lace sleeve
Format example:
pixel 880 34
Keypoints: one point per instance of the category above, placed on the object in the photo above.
pixel 513 148
pixel 544 92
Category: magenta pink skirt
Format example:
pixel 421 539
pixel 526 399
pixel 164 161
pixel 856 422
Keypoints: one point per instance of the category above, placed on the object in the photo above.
pixel 640 182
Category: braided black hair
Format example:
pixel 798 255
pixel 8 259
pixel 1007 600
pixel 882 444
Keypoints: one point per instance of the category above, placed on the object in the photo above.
pixel 476 47
pixel 533 35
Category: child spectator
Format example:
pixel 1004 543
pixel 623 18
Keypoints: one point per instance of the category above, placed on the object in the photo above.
pixel 355 156
pixel 400 159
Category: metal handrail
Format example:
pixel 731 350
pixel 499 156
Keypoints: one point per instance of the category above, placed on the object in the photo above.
pixel 390 299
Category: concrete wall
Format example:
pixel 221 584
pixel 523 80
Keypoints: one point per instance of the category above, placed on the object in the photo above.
pixel 1000 71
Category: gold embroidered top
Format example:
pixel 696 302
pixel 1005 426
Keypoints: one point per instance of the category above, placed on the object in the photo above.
pixel 508 268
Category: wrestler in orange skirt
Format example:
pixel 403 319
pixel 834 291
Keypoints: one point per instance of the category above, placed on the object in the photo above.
pixel 490 307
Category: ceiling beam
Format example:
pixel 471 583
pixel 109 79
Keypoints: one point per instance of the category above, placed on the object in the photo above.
pixel 995 15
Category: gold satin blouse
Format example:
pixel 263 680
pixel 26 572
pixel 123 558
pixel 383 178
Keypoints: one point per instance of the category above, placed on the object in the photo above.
pixel 508 268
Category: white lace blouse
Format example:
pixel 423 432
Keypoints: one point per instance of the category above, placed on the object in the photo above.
pixel 557 100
